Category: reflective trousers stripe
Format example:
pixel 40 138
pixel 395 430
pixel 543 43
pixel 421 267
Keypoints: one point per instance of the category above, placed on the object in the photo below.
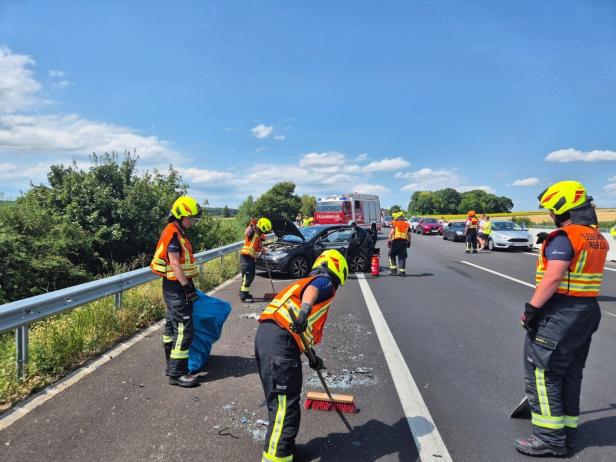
pixel 177 352
pixel 167 338
pixel 542 392
pixel 245 287
pixel 553 423
pixel 270 458
pixel 571 421
pixel 277 431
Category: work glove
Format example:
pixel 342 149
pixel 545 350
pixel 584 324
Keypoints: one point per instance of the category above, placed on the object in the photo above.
pixel 542 236
pixel 301 323
pixel 530 317
pixel 317 364
pixel 190 293
pixel 389 244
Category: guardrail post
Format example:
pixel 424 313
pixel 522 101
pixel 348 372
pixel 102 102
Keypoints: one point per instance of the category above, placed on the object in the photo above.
pixel 21 341
pixel 118 299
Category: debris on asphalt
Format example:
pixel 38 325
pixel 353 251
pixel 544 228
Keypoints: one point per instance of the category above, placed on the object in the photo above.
pixel 249 316
pixel 228 407
pixel 262 422
pixel 244 420
pixel 346 380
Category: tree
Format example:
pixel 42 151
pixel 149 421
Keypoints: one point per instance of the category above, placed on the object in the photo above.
pixel 280 198
pixel 394 209
pixel 225 212
pixel 449 201
pixel 309 205
pixel 246 210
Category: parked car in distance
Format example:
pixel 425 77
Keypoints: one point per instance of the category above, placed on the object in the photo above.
pixel 297 248
pixel 427 226
pixel 413 221
pixel 454 231
pixel 387 221
pixel 509 235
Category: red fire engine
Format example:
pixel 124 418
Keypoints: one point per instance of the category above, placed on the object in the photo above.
pixel 363 209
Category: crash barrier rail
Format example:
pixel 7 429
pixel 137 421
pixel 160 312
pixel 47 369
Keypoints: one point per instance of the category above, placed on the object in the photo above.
pixel 611 255
pixel 20 314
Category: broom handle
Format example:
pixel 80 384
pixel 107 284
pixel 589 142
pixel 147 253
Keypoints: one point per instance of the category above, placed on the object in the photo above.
pixel 269 274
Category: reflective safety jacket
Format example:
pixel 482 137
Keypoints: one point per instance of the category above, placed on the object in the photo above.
pixel 253 245
pixel 160 263
pixel 487 227
pixel 585 272
pixel 472 223
pixel 613 231
pixel 401 229
pixel 291 299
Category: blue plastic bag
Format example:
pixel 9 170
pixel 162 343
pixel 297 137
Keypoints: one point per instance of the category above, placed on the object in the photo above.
pixel 209 315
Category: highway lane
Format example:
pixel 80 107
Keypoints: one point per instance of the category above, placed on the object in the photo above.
pixel 457 327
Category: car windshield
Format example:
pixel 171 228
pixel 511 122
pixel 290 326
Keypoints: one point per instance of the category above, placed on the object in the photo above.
pixel 307 231
pixel 505 226
pixel 429 220
pixel 388 218
pixel 333 206
pixel 457 224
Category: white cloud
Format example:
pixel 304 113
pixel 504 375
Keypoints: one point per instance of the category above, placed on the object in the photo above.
pixel 56 73
pixel 464 188
pixel 361 157
pixel 315 159
pixel 18 87
pixel 262 131
pixel 531 181
pixel 610 188
pixel 573 155
pixel 61 84
pixel 280 137
pixel 387 164
pixel 72 134
pixel 367 188
pixel 340 178
pixel 205 176
pixel 34 173
pixel 427 179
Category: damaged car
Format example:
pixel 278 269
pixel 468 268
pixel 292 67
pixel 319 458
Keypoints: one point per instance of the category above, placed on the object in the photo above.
pixel 295 249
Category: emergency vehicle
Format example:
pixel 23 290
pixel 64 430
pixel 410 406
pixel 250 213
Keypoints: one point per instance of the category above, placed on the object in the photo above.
pixel 363 209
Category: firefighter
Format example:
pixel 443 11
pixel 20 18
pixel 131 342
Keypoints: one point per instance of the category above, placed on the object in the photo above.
pixel 560 318
pixel 253 245
pixel 470 230
pixel 278 348
pixel 613 232
pixel 175 262
pixel 398 241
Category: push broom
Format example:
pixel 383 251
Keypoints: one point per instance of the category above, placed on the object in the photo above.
pixel 325 401
pixel 269 295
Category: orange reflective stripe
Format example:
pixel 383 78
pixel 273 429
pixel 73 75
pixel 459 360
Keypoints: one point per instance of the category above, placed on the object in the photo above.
pixel 160 263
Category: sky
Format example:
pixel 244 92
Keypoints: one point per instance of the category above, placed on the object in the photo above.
pixel 385 97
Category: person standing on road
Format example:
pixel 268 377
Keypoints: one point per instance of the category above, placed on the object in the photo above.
pixel 613 232
pixel 278 348
pixel 480 242
pixel 254 235
pixel 560 319
pixel 486 230
pixel 470 231
pixel 175 262
pixel 398 241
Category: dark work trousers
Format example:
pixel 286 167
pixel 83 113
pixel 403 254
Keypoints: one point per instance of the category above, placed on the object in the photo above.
pixel 178 331
pixel 398 249
pixel 247 267
pixel 555 355
pixel 471 240
pixel 280 370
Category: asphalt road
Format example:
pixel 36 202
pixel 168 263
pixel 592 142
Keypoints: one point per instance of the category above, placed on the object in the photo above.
pixel 455 325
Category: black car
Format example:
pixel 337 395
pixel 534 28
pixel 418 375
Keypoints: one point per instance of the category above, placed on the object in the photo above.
pixel 296 249
pixel 454 231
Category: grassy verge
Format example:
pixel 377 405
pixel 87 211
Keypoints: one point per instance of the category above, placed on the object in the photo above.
pixel 61 344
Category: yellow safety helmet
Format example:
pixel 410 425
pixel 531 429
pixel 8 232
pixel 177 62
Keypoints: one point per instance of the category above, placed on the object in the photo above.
pixel 186 206
pixel 563 196
pixel 264 224
pixel 335 262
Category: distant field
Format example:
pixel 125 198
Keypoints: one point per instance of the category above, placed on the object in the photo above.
pixel 538 216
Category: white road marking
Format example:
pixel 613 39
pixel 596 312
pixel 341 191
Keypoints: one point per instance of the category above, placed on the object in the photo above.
pixel 536 255
pixel 427 437
pixel 532 286
pixel 21 410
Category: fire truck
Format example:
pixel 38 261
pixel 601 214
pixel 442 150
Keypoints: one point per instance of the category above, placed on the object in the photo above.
pixel 363 209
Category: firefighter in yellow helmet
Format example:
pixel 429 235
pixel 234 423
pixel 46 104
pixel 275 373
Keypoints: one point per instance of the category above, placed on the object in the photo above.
pixel 398 241
pixel 175 263
pixel 613 231
pixel 470 231
pixel 560 318
pixel 253 245
pixel 278 348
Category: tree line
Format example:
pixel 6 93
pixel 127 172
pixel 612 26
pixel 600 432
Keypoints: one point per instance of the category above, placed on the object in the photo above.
pixel 450 201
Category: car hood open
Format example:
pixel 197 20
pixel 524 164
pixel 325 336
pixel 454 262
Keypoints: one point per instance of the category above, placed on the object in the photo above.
pixel 282 226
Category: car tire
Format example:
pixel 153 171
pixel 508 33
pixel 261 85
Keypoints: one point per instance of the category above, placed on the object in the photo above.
pixel 359 262
pixel 490 244
pixel 444 237
pixel 298 267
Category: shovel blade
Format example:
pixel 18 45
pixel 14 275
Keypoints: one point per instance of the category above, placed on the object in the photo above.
pixel 522 410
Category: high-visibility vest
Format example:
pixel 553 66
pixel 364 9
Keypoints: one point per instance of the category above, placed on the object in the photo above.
pixel 252 245
pixel 487 227
pixel 401 229
pixel 473 223
pixel 291 299
pixel 585 272
pixel 613 231
pixel 160 263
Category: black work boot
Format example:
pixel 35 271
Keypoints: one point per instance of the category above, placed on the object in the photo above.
pixel 571 436
pixel 393 271
pixel 246 297
pixel 402 273
pixel 167 357
pixel 186 381
pixel 533 446
pixel 474 250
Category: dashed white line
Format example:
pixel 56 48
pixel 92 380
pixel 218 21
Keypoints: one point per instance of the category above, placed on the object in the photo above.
pixel 427 437
pixel 21 410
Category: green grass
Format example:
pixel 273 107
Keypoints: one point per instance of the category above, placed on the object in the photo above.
pixel 61 344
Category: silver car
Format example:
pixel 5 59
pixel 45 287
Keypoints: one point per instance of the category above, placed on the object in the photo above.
pixel 509 235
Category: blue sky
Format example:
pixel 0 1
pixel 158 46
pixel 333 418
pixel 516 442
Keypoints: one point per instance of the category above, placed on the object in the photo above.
pixel 386 97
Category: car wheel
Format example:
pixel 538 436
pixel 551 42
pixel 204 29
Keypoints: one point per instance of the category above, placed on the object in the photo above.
pixel 444 236
pixel 490 244
pixel 359 263
pixel 298 267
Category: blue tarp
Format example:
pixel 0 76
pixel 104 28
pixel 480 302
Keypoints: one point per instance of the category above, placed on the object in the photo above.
pixel 209 315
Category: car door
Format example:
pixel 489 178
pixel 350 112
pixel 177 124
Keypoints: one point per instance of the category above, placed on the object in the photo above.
pixel 334 239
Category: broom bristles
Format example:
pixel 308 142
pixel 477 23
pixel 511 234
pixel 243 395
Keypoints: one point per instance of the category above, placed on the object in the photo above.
pixel 318 405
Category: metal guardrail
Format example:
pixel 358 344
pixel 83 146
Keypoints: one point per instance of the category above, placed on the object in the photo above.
pixel 20 314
